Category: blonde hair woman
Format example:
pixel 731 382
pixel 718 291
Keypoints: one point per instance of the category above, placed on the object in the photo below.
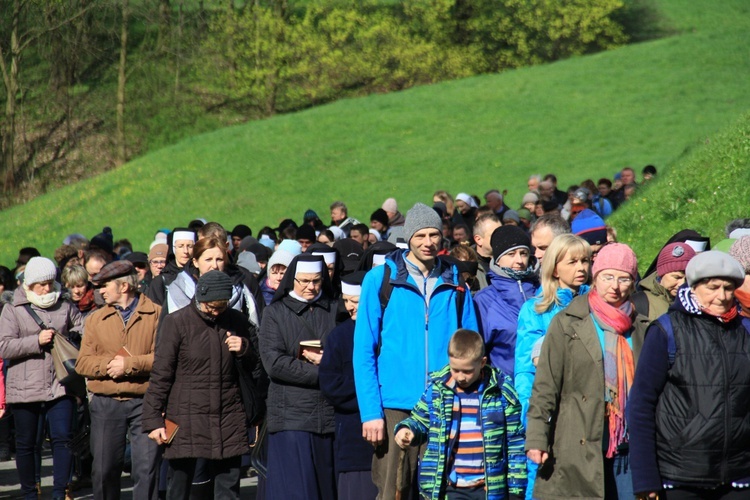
pixel 446 198
pixel 565 274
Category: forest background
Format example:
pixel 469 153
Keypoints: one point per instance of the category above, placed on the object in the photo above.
pixel 90 84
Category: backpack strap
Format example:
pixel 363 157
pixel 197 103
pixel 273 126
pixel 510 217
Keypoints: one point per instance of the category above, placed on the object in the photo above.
pixel 460 294
pixel 386 289
pixel 640 302
pixel 666 325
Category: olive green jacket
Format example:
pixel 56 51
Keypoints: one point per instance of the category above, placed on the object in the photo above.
pixel 566 414
pixel 658 297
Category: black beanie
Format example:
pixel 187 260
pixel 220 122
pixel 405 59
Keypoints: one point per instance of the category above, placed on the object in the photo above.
pixel 380 215
pixel 241 231
pixel 214 285
pixel 506 238
pixel 307 232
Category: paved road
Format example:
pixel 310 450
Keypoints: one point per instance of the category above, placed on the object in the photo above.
pixel 9 487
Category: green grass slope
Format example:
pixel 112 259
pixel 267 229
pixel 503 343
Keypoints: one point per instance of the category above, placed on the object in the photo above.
pixel 583 117
pixel 706 190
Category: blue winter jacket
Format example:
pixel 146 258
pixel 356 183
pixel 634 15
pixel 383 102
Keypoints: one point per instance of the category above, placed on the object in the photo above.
pixel 498 306
pixel 394 354
pixel 532 326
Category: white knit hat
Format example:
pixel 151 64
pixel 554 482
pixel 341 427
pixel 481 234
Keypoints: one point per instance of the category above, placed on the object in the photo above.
pixel 39 270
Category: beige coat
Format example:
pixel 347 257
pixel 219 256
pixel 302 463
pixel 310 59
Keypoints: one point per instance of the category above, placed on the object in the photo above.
pixel 105 334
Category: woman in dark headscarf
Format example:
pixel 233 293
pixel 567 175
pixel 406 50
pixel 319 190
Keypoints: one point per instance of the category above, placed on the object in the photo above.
pixel 299 420
pixel 353 455
pixel 693 238
pixel 333 262
pixel 375 255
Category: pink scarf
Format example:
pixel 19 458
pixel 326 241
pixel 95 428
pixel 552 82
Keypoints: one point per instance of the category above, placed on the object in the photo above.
pixel 619 365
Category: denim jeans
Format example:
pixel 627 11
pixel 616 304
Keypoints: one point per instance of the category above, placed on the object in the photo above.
pixel 27 417
pixel 618 483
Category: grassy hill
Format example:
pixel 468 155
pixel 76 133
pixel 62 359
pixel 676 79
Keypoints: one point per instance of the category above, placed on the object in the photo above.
pixel 583 117
pixel 706 190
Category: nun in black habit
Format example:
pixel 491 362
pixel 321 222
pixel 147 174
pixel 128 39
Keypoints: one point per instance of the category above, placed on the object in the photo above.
pixel 300 420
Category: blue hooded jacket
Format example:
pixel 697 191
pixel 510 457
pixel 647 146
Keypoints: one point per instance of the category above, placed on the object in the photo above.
pixel 532 326
pixel 395 352
pixel 498 306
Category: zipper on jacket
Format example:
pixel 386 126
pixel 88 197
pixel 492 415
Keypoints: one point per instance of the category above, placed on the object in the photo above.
pixel 727 410
pixel 520 289
pixel 426 333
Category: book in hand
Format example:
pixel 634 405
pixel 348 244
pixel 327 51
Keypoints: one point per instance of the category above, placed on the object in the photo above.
pixel 123 352
pixel 310 345
pixel 170 428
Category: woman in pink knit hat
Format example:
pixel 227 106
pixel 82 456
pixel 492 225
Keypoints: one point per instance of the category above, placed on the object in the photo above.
pixel 576 419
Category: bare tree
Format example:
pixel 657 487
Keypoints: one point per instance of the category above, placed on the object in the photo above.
pixel 121 80
pixel 20 39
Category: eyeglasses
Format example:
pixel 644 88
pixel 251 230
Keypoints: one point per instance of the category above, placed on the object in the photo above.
pixel 218 309
pixel 608 278
pixel 158 262
pixel 306 283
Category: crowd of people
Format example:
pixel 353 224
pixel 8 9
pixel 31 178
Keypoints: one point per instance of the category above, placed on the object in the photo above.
pixel 462 350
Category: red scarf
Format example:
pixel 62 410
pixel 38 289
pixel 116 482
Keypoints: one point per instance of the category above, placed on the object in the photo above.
pixel 619 365
pixel 87 301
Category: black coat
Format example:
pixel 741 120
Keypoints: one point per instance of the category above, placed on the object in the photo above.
pixel 294 398
pixel 157 289
pixel 194 381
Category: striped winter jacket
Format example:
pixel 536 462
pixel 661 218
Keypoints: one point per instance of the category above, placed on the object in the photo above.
pixel 503 433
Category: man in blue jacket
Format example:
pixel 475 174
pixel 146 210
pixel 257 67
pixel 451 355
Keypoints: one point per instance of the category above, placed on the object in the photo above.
pixel 399 343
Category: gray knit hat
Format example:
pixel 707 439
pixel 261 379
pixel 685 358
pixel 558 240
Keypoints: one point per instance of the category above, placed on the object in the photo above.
pixel 214 285
pixel 419 217
pixel 39 270
pixel 714 264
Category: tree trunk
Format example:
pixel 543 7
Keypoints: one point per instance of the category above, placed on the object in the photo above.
pixel 165 20
pixel 10 76
pixel 121 79
pixel 178 50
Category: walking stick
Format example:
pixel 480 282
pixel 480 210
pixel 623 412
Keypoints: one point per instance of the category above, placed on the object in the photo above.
pixel 400 473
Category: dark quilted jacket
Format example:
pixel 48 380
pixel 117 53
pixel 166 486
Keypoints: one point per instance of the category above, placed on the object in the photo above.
pixel 194 382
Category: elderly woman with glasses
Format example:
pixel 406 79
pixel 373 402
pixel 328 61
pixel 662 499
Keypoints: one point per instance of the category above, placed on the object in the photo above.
pixel 300 421
pixel 576 418
pixel 690 403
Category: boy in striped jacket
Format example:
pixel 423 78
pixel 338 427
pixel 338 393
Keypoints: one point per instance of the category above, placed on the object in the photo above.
pixel 470 418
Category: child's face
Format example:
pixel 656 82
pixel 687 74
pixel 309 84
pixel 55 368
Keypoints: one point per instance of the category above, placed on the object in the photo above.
pixel 466 371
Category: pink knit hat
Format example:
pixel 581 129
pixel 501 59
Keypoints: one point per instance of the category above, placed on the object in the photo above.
pixel 617 256
pixel 674 257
